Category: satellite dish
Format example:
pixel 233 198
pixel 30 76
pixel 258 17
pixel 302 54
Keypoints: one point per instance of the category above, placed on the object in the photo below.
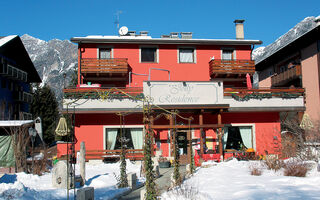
pixel 123 30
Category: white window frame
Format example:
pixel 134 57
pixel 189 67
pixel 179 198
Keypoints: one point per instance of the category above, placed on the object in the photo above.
pixel 118 126
pixel 253 129
pixel 234 54
pixel 104 47
pixel 194 54
pixel 149 46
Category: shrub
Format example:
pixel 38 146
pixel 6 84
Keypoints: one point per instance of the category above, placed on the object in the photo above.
pixel 273 163
pixel 296 168
pixel 255 170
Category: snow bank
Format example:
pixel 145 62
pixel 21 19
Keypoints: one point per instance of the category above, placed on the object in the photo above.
pixel 232 180
pixel 100 176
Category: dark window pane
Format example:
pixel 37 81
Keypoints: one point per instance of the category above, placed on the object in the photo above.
pixel 148 54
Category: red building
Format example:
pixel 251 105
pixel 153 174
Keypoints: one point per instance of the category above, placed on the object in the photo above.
pixel 206 79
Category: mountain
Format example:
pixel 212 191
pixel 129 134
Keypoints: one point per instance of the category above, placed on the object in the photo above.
pixel 297 31
pixel 52 59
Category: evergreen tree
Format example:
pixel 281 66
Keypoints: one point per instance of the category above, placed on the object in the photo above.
pixel 45 106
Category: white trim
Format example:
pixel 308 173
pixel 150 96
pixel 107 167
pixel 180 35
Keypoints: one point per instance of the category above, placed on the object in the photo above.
pixel 105 47
pixel 194 54
pixel 118 126
pixel 149 46
pixel 253 128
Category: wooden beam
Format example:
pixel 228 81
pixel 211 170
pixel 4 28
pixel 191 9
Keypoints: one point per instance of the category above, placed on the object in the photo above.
pixel 220 133
pixel 201 133
pixel 195 126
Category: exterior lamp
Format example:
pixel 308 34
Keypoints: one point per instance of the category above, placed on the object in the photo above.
pixel 62 128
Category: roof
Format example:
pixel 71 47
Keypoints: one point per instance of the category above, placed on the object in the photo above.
pixel 10 123
pixel 12 49
pixel 149 40
pixel 303 40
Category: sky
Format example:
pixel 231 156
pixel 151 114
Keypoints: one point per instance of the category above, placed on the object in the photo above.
pixel 207 19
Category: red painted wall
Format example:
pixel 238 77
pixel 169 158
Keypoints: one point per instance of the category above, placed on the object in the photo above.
pixel 168 59
pixel 89 128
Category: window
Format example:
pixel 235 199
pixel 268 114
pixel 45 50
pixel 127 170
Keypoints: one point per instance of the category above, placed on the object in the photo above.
pixel 238 138
pixel 228 54
pixel 186 55
pixel 134 138
pixel 148 54
pixel 104 53
pixel 3 83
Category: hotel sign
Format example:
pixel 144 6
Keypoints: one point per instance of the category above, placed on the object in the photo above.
pixel 183 93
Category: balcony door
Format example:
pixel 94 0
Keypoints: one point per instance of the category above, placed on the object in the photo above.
pixel 104 53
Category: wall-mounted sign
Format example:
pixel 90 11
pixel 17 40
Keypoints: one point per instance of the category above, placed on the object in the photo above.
pixel 183 93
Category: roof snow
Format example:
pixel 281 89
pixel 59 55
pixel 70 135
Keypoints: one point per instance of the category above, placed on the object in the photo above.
pixel 6 39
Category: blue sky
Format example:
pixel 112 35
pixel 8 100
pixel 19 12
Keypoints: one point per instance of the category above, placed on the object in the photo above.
pixel 63 19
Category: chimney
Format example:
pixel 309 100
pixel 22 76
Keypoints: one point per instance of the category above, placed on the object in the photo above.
pixel 144 33
pixel 239 29
pixel 174 35
pixel 186 35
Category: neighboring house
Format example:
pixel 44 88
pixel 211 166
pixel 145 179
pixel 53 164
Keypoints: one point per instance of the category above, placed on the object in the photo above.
pixel 206 79
pixel 295 64
pixel 16 73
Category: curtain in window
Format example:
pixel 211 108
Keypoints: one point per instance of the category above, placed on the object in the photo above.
pixel 225 138
pixel 111 138
pixel 246 135
pixel 227 54
pixel 186 55
pixel 104 53
pixel 136 135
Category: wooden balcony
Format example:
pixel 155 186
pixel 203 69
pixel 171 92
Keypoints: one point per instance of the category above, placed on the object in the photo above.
pixel 285 77
pixel 100 93
pixel 231 68
pixel 94 69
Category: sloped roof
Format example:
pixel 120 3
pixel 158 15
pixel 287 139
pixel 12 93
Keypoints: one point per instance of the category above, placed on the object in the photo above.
pixel 13 50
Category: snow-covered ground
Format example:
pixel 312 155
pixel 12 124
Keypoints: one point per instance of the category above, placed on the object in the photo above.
pixel 232 180
pixel 100 176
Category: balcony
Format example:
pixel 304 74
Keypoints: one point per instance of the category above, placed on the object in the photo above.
pixel 231 68
pixel 287 76
pixel 21 96
pixel 265 99
pixel 114 69
pixel 103 99
pixel 101 93
pixel 12 72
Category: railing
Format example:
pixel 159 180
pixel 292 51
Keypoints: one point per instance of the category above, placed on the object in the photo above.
pixel 110 66
pixel 264 92
pixel 231 67
pixel 132 154
pixel 286 76
pixel 22 96
pixel 96 93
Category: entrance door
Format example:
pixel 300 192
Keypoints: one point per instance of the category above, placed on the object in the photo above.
pixel 182 140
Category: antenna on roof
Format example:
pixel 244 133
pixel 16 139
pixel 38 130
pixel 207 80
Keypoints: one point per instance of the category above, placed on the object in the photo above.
pixel 117 21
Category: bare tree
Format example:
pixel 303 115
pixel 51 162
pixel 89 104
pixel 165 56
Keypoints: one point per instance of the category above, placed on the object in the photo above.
pixel 20 138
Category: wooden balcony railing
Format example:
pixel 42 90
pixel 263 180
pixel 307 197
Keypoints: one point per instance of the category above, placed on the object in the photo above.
pixel 104 66
pixel 103 93
pixel 286 76
pixel 244 94
pixel 224 68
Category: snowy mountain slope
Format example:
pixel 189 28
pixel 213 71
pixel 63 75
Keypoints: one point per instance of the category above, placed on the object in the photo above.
pixel 297 31
pixel 52 59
